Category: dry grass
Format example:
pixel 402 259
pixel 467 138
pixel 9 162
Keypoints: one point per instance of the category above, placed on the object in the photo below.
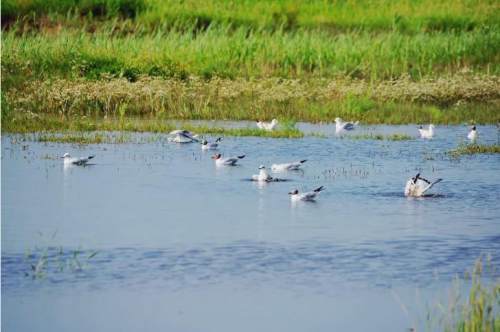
pixel 399 101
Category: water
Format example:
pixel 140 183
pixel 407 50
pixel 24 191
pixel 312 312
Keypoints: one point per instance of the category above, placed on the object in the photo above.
pixel 182 245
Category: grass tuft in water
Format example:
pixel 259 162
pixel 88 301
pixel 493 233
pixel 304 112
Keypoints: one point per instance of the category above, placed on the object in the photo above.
pixel 471 149
pixel 381 137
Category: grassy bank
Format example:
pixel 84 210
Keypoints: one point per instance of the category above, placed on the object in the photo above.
pixel 379 62
pixel 463 98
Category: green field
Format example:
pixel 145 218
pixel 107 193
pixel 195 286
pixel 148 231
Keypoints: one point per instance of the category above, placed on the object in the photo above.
pixel 377 61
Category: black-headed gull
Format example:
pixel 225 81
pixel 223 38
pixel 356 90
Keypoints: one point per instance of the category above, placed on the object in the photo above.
pixel 205 145
pixel 426 133
pixel 287 166
pixel 472 136
pixel 263 176
pixel 68 160
pixel 310 196
pixel 219 161
pixel 417 186
pixel 267 125
pixel 341 126
pixel 183 136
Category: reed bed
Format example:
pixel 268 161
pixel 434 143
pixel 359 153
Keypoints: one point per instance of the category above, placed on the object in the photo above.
pixel 465 98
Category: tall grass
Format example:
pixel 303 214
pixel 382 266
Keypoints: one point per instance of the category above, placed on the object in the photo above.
pixel 392 102
pixel 405 16
pixel 477 310
pixel 240 53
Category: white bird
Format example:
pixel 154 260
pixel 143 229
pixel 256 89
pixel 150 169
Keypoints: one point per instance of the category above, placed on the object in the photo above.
pixel 68 160
pixel 472 136
pixel 287 166
pixel 310 196
pixel 219 161
pixel 418 186
pixel 426 133
pixel 269 126
pixel 183 136
pixel 263 176
pixel 205 145
pixel 340 125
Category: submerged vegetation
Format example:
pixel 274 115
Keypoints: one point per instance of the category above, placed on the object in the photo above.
pixel 378 62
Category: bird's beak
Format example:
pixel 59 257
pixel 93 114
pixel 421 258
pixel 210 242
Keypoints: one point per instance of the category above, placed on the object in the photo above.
pixel 290 193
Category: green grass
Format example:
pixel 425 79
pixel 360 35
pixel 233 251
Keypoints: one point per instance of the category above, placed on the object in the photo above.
pixel 406 16
pixel 218 53
pixel 472 149
pixel 379 62
pixel 84 130
pixel 475 310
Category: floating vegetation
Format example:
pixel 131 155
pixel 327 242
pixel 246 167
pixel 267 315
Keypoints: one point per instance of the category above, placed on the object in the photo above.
pixel 381 137
pixel 471 149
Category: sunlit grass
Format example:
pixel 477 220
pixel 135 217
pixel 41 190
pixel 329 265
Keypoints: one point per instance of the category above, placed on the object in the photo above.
pixel 477 310
pixel 84 130
pixel 472 149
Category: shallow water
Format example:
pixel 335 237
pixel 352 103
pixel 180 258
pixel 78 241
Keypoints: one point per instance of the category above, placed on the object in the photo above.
pixel 185 246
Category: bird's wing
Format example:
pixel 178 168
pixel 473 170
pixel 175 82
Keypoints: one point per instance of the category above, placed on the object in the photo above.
pixel 430 185
pixel 348 126
pixel 309 196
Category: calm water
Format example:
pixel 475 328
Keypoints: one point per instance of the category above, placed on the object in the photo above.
pixel 185 246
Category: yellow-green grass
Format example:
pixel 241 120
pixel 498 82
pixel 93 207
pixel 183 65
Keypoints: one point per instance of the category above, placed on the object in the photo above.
pixel 474 311
pixel 463 98
pixel 87 130
pixel 472 149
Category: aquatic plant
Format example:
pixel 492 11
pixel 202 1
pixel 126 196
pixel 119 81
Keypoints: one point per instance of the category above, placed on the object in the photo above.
pixel 471 149
pixel 479 310
pixel 380 137
pixel 41 262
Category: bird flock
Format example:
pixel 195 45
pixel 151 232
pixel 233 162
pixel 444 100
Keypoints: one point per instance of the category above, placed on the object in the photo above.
pixel 416 186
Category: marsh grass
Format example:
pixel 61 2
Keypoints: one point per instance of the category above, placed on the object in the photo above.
pixel 84 138
pixel 477 310
pixel 380 137
pixel 464 98
pixel 241 53
pixel 98 130
pixel 472 149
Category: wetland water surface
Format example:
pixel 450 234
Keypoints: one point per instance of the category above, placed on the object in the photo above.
pixel 185 246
